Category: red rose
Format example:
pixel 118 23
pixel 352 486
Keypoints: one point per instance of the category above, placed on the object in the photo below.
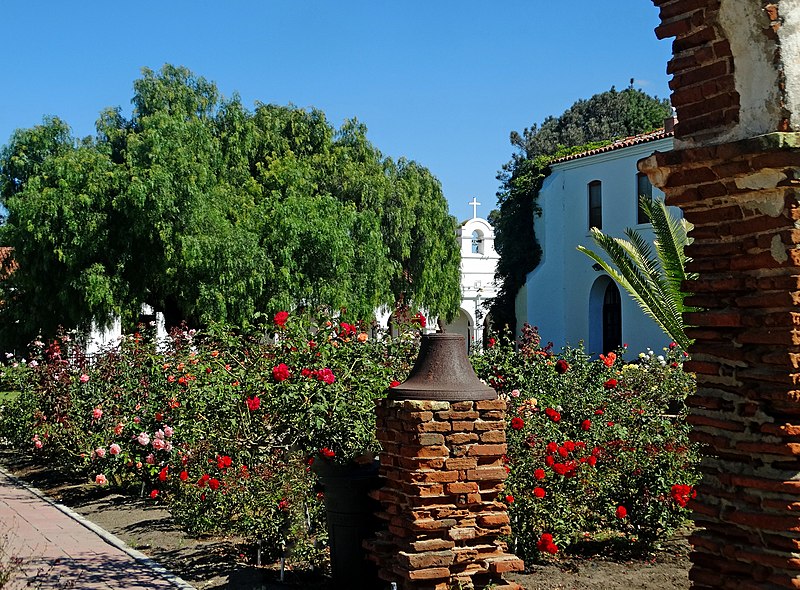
pixel 253 403
pixel 510 499
pixel 201 483
pixel 539 474
pixel 154 494
pixel 394 384
pixel 281 372
pixel 326 376
pixel 592 460
pixel 610 384
pixel 517 423
pixel 598 412
pixel 561 366
pixel 549 460
pixel 280 318
pixel 213 483
pixel 421 320
pixel 162 475
pixel 621 512
pixel 586 424
pixel 546 544
pixel 539 492
pixel 326 452
pixel 552 447
pixel 223 462
pixel 608 359
pixel 184 476
pixel 555 417
pixel 492 342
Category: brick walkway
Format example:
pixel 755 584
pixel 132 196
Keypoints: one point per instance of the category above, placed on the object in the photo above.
pixel 62 550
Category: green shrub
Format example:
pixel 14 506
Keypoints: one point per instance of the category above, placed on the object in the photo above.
pixel 595 446
pixel 222 425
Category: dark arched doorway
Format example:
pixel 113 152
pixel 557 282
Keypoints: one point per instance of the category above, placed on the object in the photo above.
pixel 612 318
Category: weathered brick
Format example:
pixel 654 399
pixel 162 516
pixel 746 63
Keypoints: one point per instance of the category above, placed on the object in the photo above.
pixel 429 573
pixel 476 450
pixel 427 559
pixel 491 404
pixel 462 487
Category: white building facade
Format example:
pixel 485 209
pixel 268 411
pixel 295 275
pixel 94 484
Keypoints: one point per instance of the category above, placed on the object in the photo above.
pixel 568 296
pixel 478 286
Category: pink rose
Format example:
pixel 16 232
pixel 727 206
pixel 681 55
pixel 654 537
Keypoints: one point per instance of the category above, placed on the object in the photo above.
pixel 114 449
pixel 143 439
pixel 167 446
pixel 159 444
pixel 150 459
pixel 515 393
pixel 84 378
pixel 168 432
pixel 100 452
pixel 159 434
pixel 100 479
pixel 97 413
pixel 38 444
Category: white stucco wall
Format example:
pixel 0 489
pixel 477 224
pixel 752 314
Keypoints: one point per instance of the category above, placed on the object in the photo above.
pixel 557 293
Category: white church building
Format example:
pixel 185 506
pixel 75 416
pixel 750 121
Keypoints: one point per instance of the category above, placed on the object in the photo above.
pixel 478 264
pixel 568 296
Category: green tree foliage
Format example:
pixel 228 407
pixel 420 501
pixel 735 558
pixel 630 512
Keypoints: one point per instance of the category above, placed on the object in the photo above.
pixel 603 117
pixel 654 281
pixel 208 211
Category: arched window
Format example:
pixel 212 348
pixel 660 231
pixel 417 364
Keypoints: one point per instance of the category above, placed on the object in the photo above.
pixel 595 205
pixel 477 242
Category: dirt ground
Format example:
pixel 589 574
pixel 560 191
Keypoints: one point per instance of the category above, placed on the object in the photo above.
pixel 225 563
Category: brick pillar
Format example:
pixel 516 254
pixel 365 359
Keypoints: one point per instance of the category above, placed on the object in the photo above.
pixel 443 470
pixel 746 354
pixel 735 172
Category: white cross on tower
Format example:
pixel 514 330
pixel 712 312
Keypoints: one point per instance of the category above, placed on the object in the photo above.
pixel 474 204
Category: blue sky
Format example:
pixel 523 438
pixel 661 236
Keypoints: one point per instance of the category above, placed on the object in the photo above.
pixel 438 81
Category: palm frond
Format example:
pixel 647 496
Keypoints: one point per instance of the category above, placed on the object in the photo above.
pixel 653 280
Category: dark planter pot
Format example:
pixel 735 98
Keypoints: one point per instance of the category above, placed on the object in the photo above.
pixel 351 519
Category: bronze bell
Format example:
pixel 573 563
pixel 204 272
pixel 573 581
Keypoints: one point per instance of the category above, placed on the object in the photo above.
pixel 442 372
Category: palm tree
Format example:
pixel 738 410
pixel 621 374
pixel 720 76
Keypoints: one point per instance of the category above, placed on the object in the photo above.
pixel 654 282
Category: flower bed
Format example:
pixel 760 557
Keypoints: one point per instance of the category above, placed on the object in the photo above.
pixel 597 448
pixel 222 426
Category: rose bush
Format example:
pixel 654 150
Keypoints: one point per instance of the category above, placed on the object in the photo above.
pixel 222 426
pixel 597 448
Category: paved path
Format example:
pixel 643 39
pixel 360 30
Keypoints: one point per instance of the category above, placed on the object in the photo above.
pixel 62 550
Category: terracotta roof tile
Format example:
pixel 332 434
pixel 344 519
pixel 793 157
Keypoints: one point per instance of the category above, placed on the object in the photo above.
pixel 619 144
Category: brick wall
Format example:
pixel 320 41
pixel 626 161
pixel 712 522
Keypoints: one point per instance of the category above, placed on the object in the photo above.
pixel 742 198
pixel 444 472
pixel 703 86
